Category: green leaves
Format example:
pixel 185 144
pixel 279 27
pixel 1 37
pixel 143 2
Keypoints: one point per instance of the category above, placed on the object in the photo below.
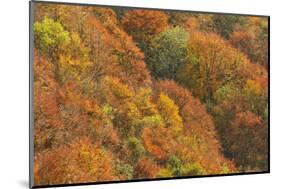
pixel 167 52
pixel 123 170
pixel 204 112
pixel 225 24
pixel 176 167
pixel 137 148
pixel 49 36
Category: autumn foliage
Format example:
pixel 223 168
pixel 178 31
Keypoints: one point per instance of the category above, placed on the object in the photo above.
pixel 140 94
pixel 143 24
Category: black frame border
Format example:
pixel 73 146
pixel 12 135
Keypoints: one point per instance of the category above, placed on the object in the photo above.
pixel 31 124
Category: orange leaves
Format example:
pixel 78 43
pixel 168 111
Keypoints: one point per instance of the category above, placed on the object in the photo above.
pixel 253 40
pixel 156 143
pixel 46 81
pixel 247 119
pixel 217 51
pixel 248 130
pixel 199 140
pixel 179 95
pixel 241 39
pixel 90 106
pixel 191 110
pixel 192 23
pixel 81 161
pixel 48 106
pixel 259 74
pixel 239 123
pixel 99 116
pixel 130 58
pixel 142 24
pixel 208 69
pixel 146 168
pixel 46 97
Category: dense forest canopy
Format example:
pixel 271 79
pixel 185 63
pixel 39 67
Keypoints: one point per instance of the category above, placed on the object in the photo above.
pixel 124 94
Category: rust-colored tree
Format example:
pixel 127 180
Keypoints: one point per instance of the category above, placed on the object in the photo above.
pixel 143 24
pixel 101 115
pixel 80 161
pixel 206 70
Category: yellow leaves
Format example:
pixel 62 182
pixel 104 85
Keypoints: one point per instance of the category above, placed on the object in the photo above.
pixel 119 89
pixel 144 103
pixel 77 48
pixel 253 87
pixel 132 110
pixel 68 62
pixel 217 51
pixel 161 141
pixel 74 61
pixel 90 156
pixel 95 97
pixel 76 54
pixel 165 173
pixel 76 41
pixel 169 112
